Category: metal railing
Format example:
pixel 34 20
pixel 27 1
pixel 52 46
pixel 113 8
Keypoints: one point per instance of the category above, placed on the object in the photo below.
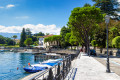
pixel 65 65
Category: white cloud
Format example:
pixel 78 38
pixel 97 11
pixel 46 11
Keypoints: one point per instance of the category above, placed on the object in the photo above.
pixel 1 7
pixel 7 6
pixel 22 17
pixel 10 6
pixel 52 29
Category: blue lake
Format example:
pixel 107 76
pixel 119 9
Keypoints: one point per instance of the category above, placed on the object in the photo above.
pixel 9 62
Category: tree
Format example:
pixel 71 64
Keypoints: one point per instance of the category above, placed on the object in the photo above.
pixel 14 37
pixel 93 43
pixel 2 40
pixel 56 38
pixel 63 32
pixel 107 6
pixel 28 41
pixel 87 5
pixel 28 33
pixel 39 34
pixel 83 21
pixel 47 34
pixel 100 37
pixel 116 42
pixel 36 43
pixel 23 38
pixel 9 41
pixel 67 39
pixel 73 40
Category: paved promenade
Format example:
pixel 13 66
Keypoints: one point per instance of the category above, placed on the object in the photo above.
pixel 90 69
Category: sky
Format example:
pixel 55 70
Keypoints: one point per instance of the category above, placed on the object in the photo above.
pixel 47 16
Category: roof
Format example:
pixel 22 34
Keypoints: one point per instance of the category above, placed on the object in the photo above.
pixel 46 36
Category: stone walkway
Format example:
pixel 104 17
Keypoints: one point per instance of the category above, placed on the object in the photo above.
pixel 90 69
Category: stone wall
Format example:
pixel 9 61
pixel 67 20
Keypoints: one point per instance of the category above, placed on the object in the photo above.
pixel 112 51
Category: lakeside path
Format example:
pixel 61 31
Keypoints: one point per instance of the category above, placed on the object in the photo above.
pixel 90 69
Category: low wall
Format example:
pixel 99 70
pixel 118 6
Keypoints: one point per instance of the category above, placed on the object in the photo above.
pixel 112 51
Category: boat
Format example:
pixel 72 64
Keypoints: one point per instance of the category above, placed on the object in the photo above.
pixel 52 62
pixel 2 50
pixel 41 66
pixel 36 68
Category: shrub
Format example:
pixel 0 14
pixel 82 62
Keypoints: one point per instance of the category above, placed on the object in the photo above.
pixel 116 42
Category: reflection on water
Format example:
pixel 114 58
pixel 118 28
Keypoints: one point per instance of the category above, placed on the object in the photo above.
pixel 9 62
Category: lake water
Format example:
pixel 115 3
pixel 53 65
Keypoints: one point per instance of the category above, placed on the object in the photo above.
pixel 9 62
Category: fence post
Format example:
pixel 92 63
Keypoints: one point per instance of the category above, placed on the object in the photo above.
pixel 58 72
pixel 63 68
pixel 50 76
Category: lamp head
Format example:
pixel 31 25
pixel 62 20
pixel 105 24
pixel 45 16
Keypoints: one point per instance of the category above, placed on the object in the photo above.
pixel 107 19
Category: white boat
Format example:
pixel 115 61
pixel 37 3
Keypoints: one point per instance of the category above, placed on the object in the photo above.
pixel 41 65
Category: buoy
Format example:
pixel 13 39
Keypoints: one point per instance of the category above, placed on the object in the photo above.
pixel 29 64
pixel 17 68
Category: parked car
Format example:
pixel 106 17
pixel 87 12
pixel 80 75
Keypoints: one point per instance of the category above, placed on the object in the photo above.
pixel 92 52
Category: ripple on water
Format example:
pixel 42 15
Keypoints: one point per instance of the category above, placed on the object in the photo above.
pixel 9 62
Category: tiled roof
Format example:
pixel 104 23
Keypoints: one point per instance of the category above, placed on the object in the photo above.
pixel 46 36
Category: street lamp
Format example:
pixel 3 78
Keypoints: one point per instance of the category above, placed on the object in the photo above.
pixel 89 46
pixel 107 19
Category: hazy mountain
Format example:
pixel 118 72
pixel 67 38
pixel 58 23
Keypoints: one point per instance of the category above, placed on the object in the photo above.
pixel 10 35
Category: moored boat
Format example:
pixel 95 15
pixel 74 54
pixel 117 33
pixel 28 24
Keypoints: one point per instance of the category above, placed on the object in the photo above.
pixel 41 66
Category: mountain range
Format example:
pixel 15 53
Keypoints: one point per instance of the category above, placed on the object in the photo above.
pixel 10 35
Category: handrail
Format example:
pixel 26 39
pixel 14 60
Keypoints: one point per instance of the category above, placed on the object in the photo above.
pixel 47 70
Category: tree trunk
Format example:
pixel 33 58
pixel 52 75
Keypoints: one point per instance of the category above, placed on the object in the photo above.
pixel 85 48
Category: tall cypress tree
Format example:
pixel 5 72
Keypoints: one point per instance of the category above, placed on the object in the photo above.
pixel 22 39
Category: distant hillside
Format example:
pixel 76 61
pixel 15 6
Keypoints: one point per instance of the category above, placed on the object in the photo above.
pixel 10 35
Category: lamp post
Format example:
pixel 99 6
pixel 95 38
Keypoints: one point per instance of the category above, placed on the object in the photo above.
pixel 89 46
pixel 107 18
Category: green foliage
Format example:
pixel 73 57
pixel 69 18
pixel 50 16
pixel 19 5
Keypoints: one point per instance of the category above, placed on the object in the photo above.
pixel 39 34
pixel 47 34
pixel 2 40
pixel 93 43
pixel 84 23
pixel 14 36
pixel 116 42
pixel 63 32
pixel 53 38
pixel 56 38
pixel 28 41
pixel 23 38
pixel 28 33
pixel 9 41
pixel 73 40
pixel 100 37
pixel 3 44
pixel 36 43
pixel 107 6
pixel 6 41
pixel 67 37
pixel 87 5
